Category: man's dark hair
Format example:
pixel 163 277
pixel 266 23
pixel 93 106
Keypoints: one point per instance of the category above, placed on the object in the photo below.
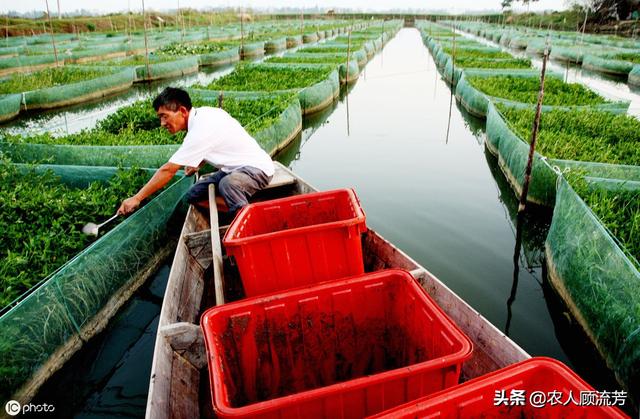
pixel 172 98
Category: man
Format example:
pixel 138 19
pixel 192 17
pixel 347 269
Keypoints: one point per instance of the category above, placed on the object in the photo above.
pixel 215 137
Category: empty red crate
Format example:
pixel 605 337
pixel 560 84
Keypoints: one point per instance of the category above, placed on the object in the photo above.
pixel 478 397
pixel 300 240
pixel 346 348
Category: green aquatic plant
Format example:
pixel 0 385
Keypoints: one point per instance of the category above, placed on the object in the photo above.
pixel 525 90
pixel 269 79
pixel 41 221
pixel 50 77
pixel 584 135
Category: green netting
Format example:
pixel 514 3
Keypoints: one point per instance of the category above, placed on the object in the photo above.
pixel 606 65
pixel 510 145
pixel 294 41
pixel 353 70
pixel 9 106
pixel 572 55
pixel 79 56
pixel 277 136
pixel 79 92
pixel 597 279
pixel 254 49
pixel 167 69
pixel 501 63
pixel 475 101
pixel 512 153
pixel 309 38
pixel 634 75
pixel 313 97
pixel 60 313
pixel 275 45
pixel 519 42
pixel 219 58
pixel 21 63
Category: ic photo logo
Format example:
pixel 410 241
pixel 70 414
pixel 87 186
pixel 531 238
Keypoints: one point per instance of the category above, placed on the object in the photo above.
pixel 14 408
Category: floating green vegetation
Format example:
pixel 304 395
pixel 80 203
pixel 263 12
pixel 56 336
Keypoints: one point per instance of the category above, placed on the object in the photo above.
pixel 269 79
pixel 525 90
pixel 327 49
pixel 177 48
pixel 473 62
pixel 310 59
pixel 42 230
pixel 476 53
pixel 583 135
pixel 50 77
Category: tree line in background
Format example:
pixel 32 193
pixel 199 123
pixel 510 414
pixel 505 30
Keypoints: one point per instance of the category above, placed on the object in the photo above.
pixel 598 11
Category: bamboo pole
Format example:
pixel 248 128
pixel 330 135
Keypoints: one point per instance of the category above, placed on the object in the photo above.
pixel 59 11
pixel 348 55
pixel 146 46
pixel 534 132
pixel 53 39
pixel 241 33
pixel 584 25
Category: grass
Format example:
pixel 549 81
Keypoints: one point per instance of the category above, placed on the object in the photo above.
pixel 51 77
pixel 525 90
pixel 583 135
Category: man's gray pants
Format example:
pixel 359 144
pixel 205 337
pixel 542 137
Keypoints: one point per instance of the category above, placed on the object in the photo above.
pixel 235 188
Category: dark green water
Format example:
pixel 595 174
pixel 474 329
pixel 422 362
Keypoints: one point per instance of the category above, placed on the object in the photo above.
pixel 419 166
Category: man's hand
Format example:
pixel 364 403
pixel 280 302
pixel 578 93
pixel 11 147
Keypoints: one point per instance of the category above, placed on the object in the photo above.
pixel 188 170
pixel 129 205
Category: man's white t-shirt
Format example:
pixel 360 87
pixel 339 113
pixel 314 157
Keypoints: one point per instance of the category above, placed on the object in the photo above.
pixel 216 137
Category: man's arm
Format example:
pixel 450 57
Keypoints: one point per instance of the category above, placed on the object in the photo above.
pixel 157 182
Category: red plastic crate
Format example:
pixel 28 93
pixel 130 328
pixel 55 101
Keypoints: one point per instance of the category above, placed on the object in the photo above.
pixel 346 348
pixel 477 397
pixel 300 240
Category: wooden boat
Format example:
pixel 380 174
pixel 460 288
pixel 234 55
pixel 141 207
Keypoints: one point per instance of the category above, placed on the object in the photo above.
pixel 201 278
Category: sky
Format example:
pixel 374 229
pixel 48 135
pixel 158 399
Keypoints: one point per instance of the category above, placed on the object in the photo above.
pixel 104 6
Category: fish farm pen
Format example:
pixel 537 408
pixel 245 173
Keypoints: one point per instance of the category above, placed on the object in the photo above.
pixel 453 222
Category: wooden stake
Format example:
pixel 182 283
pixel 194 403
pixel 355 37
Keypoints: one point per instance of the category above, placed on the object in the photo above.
pixel 53 39
pixel 146 46
pixel 534 132
pixel 220 99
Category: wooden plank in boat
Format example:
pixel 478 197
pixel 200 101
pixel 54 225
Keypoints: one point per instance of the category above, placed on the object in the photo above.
pixel 216 249
pixel 185 386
